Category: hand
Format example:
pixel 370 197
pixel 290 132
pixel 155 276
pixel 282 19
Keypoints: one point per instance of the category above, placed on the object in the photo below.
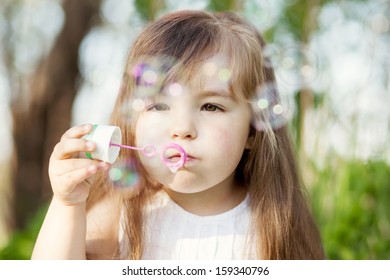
pixel 68 173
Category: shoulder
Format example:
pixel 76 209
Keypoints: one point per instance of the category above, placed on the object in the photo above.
pixel 102 228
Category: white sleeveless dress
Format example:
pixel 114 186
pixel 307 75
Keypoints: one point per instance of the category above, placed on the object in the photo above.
pixel 174 233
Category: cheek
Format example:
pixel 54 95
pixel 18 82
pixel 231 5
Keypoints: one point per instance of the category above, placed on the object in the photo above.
pixel 230 141
pixel 148 130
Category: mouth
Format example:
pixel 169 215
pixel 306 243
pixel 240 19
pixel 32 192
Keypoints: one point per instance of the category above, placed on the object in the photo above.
pixel 174 158
pixel 177 157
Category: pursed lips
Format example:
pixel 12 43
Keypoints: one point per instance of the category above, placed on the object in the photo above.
pixel 177 157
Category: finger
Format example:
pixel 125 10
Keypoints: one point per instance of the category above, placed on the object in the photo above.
pixel 67 166
pixel 77 176
pixel 66 148
pixel 77 131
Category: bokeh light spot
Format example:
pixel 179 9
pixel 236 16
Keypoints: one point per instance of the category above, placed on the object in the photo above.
pixel 380 23
pixel 288 63
pixel 137 70
pixel 209 69
pixel 138 104
pixel 115 174
pixel 278 109
pixel 307 70
pixel 175 89
pixel 270 111
pixel 150 77
pixel 224 74
pixel 262 103
pixel 123 174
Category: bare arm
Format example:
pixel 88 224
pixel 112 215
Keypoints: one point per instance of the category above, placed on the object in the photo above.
pixel 92 235
pixel 102 228
pixel 63 232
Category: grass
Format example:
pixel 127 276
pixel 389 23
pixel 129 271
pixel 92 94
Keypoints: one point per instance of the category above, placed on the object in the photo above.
pixel 351 201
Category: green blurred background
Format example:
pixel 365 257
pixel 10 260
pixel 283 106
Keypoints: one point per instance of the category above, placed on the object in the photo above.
pixel 60 59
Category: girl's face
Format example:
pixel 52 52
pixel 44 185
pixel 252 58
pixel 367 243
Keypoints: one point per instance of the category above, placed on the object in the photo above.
pixel 210 125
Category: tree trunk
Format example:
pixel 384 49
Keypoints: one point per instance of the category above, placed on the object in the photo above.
pixel 39 125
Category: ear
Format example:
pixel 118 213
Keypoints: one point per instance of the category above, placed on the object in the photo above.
pixel 251 138
pixel 249 143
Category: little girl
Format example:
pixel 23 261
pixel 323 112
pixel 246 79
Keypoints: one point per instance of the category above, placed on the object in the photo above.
pixel 195 79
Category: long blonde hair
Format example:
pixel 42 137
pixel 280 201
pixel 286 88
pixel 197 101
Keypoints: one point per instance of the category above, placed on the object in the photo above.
pixel 282 223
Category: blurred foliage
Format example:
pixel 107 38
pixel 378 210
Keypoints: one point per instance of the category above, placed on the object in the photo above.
pixel 227 5
pixel 148 9
pixel 351 204
pixel 21 243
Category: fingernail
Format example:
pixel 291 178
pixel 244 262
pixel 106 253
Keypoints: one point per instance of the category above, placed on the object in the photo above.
pixel 104 165
pixel 92 169
pixel 89 145
pixel 87 127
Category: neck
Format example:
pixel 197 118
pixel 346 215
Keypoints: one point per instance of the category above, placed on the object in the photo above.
pixel 215 200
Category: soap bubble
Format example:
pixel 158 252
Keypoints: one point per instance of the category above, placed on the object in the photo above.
pixel 269 111
pixel 150 75
pixel 271 53
pixel 123 174
pixel 378 21
pixel 295 65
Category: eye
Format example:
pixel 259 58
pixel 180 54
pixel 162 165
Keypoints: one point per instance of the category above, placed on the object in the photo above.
pixel 211 107
pixel 158 107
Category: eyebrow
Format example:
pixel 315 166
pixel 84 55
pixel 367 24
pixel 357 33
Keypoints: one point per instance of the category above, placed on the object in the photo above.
pixel 217 93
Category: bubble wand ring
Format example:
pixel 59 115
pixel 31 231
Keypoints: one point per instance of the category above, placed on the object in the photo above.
pixel 150 151
pixel 164 157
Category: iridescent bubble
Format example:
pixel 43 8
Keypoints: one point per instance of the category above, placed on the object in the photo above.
pixel 288 62
pixel 145 75
pixel 269 110
pixel 298 66
pixel 138 70
pixel 151 73
pixel 123 174
pixel 262 13
pixel 271 54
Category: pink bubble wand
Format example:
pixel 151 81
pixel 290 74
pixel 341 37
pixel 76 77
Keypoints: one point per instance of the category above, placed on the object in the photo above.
pixel 150 151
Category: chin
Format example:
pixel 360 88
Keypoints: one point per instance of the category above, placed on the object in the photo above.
pixel 186 190
pixel 185 184
pixel 186 181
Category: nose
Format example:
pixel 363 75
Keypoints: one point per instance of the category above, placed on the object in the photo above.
pixel 183 127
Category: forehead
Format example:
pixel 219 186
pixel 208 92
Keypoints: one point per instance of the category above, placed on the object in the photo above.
pixel 211 74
